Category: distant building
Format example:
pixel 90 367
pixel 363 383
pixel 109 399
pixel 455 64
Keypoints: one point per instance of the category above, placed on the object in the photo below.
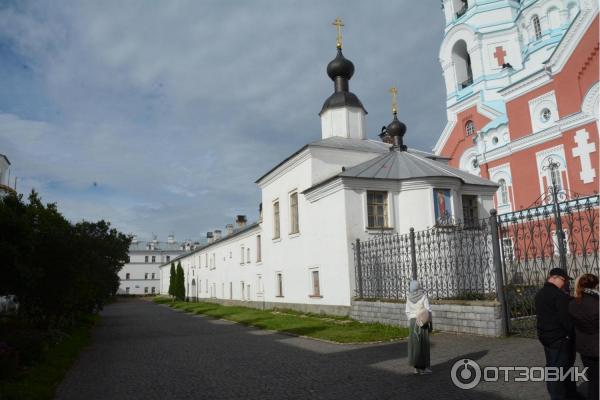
pixel 5 176
pixel 141 274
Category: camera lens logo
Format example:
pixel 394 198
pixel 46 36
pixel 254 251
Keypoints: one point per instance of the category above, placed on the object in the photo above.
pixel 466 374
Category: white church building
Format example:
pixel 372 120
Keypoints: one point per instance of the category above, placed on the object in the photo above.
pixel 317 201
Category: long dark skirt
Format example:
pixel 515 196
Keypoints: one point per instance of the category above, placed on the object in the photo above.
pixel 418 346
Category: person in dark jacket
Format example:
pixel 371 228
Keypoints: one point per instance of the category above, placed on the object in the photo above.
pixel 555 331
pixel 584 312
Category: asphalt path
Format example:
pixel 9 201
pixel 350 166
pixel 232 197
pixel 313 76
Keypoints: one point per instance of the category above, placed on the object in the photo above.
pixel 141 350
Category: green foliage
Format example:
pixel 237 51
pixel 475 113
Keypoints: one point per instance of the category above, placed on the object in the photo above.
pixel 172 280
pixel 179 283
pixel 326 327
pixel 58 270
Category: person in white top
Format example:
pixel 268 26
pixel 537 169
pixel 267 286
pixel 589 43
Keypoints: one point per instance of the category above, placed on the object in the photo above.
pixel 418 312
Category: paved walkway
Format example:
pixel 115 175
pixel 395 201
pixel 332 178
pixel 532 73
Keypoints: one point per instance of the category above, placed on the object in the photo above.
pixel 141 350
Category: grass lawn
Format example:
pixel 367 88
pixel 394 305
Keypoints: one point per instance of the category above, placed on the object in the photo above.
pixel 39 382
pixel 335 329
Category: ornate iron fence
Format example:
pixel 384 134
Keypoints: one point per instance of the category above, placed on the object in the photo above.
pixel 453 261
pixel 535 240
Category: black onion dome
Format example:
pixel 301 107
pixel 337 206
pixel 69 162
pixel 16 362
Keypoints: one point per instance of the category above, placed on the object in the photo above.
pixel 340 66
pixel 396 127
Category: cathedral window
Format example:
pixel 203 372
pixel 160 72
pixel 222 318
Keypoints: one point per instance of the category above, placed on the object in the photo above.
pixel 536 27
pixel 377 209
pixel 469 128
pixel 462 64
pixel 276 225
pixel 503 189
pixel 294 213
pixel 545 115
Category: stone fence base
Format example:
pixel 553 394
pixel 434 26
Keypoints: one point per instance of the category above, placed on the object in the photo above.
pixel 474 317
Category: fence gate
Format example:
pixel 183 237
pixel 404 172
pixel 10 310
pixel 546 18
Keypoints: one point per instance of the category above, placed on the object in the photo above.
pixel 553 234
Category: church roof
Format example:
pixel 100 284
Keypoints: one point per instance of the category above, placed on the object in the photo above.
pixel 402 165
pixel 341 143
pixel 405 165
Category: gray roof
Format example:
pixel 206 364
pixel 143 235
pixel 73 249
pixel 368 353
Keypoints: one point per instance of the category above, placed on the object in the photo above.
pixel 236 232
pixel 158 246
pixel 403 165
pixel 366 145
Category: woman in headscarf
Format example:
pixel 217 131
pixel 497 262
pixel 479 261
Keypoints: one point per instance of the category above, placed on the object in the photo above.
pixel 418 312
pixel 584 312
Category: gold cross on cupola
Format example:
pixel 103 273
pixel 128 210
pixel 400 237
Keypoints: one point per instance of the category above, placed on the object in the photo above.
pixel 338 26
pixel 394 93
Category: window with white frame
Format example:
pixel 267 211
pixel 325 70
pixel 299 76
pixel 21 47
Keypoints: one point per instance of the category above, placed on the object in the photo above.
pixel 469 128
pixel 276 221
pixel 146 275
pixel 230 290
pixel 502 192
pixel 248 255
pixel 294 226
pixel 146 290
pixel 377 209
pixel 258 249
pixel 146 259
pixel 153 258
pixel 316 284
pixel 242 255
pixel 153 290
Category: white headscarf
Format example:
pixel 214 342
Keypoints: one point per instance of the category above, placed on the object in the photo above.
pixel 416 292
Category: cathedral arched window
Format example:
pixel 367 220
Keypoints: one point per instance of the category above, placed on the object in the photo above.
pixel 462 64
pixel 537 28
pixel 469 128
pixel 502 192
pixel 460 7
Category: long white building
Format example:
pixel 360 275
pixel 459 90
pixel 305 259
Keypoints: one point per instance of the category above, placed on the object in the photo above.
pixel 318 201
pixel 140 275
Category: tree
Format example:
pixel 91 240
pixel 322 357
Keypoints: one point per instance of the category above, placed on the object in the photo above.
pixel 180 285
pixel 172 278
pixel 58 270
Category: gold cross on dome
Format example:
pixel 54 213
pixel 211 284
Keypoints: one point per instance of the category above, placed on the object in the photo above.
pixel 394 93
pixel 338 26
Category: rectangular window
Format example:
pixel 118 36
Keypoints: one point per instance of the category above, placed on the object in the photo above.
pixel 127 290
pixel 168 258
pixel 276 227
pixel 153 275
pixel 377 209
pixel 248 255
pixel 153 258
pixel 243 291
pixel 294 227
pixel 258 249
pixel 146 276
pixel 315 284
pixel 153 290
pixel 230 290
pixel 470 211
pixel 127 275
pixel 146 259
pixel 146 290
pixel 279 285
pixel 565 243
pixel 242 253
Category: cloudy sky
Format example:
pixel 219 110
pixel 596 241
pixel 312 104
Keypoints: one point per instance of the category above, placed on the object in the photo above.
pixel 159 115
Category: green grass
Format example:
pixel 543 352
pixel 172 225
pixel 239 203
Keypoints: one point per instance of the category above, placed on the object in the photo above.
pixel 39 382
pixel 332 328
